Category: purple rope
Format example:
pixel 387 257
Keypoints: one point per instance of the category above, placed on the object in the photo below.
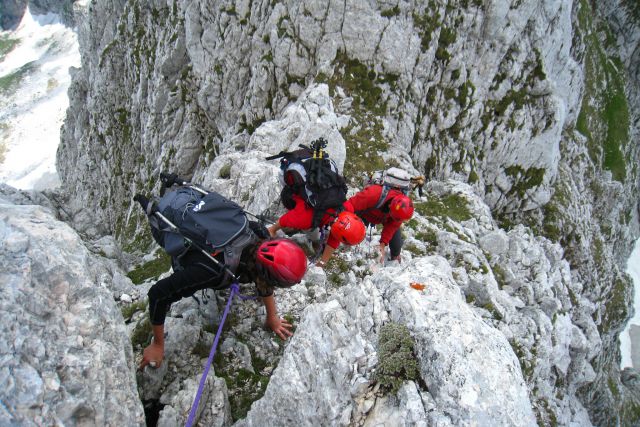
pixel 192 415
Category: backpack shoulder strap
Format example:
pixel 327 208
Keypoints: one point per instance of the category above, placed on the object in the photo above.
pixel 383 196
pixel 233 251
pixel 380 203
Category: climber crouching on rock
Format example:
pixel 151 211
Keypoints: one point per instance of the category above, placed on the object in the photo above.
pixel 394 209
pixel 268 263
pixel 344 227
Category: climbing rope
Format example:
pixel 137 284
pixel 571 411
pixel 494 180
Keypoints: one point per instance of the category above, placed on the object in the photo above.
pixel 235 290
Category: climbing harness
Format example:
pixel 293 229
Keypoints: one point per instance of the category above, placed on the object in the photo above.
pixel 235 290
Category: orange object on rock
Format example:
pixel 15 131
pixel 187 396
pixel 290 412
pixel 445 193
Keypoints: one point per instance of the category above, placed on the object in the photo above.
pixel 417 286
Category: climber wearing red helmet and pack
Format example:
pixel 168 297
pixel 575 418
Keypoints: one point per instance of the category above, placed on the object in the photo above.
pixel 394 209
pixel 268 263
pixel 344 227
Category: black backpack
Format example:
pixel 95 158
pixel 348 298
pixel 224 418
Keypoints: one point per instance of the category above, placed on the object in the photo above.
pixel 189 216
pixel 310 173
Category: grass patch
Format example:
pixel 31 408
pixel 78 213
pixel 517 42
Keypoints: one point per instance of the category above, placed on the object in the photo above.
pixel 630 413
pixel 7 44
pixel 150 269
pixel 616 307
pixel 364 147
pixel 524 179
pixel 499 275
pixel 129 310
pixel 527 366
pixel 336 267
pixel 388 13
pixel 225 171
pixel 604 114
pixel 451 206
pixel 426 24
pixel 492 309
pixel 360 81
pixel 4 131
pixel 429 236
pixel 134 231
pixel 245 387
pixel 10 82
pixel 413 249
pixel 142 334
pixel 364 134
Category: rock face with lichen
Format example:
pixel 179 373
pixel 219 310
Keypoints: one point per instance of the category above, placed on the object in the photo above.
pixel 522 114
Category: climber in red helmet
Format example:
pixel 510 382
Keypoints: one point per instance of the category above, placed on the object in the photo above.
pixel 390 209
pixel 268 263
pixel 344 227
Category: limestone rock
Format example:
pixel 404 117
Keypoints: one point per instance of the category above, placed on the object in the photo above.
pixel 66 356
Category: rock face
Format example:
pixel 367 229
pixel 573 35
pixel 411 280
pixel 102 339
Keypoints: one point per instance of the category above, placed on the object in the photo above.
pixel 63 8
pixel 65 354
pixel 12 11
pixel 501 332
pixel 523 101
pixel 469 369
pixel 11 14
pixel 193 75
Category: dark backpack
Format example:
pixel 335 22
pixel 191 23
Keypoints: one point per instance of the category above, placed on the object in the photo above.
pixel 313 177
pixel 207 219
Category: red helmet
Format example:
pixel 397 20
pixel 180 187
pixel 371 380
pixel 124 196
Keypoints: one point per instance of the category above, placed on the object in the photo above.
pixel 348 228
pixel 401 208
pixel 281 262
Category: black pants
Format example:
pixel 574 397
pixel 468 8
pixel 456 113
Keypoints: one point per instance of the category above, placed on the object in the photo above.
pixel 395 245
pixel 196 274
pixel 396 242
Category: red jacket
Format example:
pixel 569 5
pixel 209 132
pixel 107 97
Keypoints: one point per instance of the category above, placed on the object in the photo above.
pixel 301 216
pixel 363 203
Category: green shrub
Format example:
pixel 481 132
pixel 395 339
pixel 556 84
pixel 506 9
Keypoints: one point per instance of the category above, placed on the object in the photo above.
pixel 396 359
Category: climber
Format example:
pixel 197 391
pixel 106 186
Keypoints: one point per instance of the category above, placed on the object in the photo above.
pixel 267 262
pixel 390 209
pixel 344 227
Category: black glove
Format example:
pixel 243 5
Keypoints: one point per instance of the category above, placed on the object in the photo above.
pixel 144 202
pixel 259 229
pixel 168 179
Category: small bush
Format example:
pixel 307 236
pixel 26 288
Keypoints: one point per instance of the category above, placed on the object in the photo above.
pixel 396 360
